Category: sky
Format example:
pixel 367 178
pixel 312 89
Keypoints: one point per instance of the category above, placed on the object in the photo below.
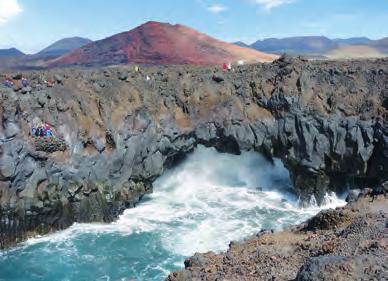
pixel 31 25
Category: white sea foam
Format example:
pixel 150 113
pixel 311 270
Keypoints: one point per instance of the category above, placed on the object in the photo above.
pixel 207 201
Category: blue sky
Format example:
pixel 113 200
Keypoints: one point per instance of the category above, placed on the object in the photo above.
pixel 31 25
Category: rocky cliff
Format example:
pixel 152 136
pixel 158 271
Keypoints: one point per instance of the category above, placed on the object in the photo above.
pixel 116 132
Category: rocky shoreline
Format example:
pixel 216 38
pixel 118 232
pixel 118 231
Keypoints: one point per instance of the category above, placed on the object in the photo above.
pixel 117 132
pixel 348 243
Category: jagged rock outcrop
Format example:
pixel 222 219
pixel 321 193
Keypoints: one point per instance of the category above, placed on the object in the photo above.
pixel 348 243
pixel 327 121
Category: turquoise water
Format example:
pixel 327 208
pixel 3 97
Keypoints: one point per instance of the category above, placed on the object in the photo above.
pixel 201 205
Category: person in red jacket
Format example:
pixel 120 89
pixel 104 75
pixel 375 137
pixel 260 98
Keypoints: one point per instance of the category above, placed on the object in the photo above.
pixel 224 67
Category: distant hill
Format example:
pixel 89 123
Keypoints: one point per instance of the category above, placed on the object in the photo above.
pixel 368 49
pixel 355 51
pixel 160 43
pixel 63 46
pixel 14 59
pixel 352 41
pixel 241 44
pixel 12 52
pixel 311 45
pixel 381 45
pixel 323 47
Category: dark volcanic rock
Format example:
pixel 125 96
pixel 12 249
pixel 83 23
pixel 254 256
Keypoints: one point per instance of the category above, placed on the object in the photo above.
pixel 352 195
pixel 218 78
pixel 116 135
pixel 352 249
pixel 341 268
pixel 327 219
pixel 50 144
pixel 58 78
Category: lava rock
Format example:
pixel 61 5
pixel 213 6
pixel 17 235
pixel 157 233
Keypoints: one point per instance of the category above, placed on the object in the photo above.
pixel 318 268
pixel 11 129
pixel 26 90
pixel 58 78
pixel 327 219
pixel 353 195
pixel 123 76
pixel 7 167
pixel 218 78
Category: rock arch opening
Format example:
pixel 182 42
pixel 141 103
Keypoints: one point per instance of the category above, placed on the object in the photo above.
pixel 201 204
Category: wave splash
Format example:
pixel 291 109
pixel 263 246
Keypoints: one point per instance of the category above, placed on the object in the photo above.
pixel 210 199
pixel 204 203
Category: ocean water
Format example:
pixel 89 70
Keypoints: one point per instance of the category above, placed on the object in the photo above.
pixel 204 203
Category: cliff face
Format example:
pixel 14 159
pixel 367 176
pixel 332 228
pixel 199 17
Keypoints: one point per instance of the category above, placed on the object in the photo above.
pixel 117 132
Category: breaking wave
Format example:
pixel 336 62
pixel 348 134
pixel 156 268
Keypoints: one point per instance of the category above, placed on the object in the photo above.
pixel 204 203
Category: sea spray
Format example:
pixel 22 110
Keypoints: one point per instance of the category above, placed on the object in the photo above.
pixel 208 200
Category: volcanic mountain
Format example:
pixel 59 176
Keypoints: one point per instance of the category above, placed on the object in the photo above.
pixel 12 52
pixel 15 59
pixel 160 43
pixel 63 46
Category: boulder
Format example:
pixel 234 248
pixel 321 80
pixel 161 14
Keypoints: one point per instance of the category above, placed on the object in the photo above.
pixel 329 268
pixel 58 78
pixel 7 167
pixel 17 76
pixel 353 195
pixel 26 90
pixel 319 268
pixel 11 129
pixel 122 76
pixel 327 219
pixel 385 187
pixel 280 101
pixel 61 106
pixel 218 78
pixel 42 99
pixel 50 144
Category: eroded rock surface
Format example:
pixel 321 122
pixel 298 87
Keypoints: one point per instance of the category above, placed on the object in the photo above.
pixel 353 247
pixel 117 132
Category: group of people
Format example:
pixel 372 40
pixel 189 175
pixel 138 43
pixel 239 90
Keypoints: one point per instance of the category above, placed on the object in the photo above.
pixel 226 67
pixel 137 70
pixel 229 67
pixel 9 83
pixel 42 130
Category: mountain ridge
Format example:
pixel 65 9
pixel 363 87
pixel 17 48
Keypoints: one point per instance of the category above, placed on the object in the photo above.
pixel 324 47
pixel 11 52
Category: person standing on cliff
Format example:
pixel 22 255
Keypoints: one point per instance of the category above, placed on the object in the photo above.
pixel 24 82
pixel 224 67
pixel 48 131
pixel 8 83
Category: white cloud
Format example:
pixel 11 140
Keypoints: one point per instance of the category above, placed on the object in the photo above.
pixel 269 4
pixel 216 8
pixel 8 10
